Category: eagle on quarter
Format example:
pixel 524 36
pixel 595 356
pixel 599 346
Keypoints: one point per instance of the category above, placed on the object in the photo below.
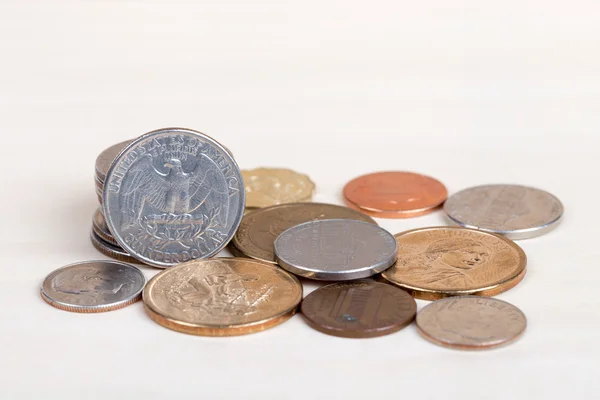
pixel 174 193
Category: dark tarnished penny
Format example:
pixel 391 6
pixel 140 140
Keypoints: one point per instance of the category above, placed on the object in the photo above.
pixel 359 309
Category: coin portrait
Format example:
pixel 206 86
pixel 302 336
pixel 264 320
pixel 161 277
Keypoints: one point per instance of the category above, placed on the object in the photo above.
pixel 173 195
pixel 471 322
pixel 272 186
pixel 437 262
pixel 222 296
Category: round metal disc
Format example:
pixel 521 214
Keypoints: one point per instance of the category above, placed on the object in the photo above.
pixel 359 309
pixel 335 249
pixel 471 322
pixel 517 212
pixel 173 195
pixel 93 286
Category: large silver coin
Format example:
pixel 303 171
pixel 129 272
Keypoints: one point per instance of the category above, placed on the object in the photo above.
pixel 517 212
pixel 335 249
pixel 173 195
pixel 93 286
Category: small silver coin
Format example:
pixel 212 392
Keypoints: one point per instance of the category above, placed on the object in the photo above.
pixel 173 195
pixel 93 286
pixel 471 322
pixel 517 212
pixel 335 249
pixel 106 158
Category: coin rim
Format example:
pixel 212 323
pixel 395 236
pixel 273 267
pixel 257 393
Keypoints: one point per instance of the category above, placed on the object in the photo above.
pixel 321 275
pixel 110 250
pixel 449 345
pixel 357 334
pixel 174 130
pixel 236 241
pixel 218 330
pixel 98 231
pixel 515 234
pixel 484 291
pixel 97 308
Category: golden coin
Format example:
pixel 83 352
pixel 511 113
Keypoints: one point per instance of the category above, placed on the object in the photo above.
pixel 271 186
pixel 450 261
pixel 259 229
pixel 222 297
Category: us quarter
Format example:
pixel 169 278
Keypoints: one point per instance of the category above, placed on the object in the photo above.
pixel 335 249
pixel 471 322
pixel 93 286
pixel 173 195
pixel 517 212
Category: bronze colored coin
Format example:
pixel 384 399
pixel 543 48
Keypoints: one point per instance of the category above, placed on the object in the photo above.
pixel 260 228
pixel 222 297
pixel 110 250
pixel 471 322
pixel 101 229
pixel 271 186
pixel 450 261
pixel 106 158
pixel 395 194
pixel 359 309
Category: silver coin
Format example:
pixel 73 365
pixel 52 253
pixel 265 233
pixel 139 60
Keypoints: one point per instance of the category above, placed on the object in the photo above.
pixel 93 286
pixel 471 322
pixel 517 212
pixel 173 195
pixel 106 158
pixel 335 249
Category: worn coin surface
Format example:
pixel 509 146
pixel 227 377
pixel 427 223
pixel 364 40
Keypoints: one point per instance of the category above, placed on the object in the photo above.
pixel 111 250
pixel 517 212
pixel 335 249
pixel 395 194
pixel 93 286
pixel 173 195
pixel 106 158
pixel 101 229
pixel 271 186
pixel 222 296
pixel 471 322
pixel 260 228
pixel 358 309
pixel 449 261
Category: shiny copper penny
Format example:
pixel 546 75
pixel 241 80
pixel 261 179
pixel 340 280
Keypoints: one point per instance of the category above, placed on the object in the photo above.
pixel 471 322
pixel 395 194
pixel 358 309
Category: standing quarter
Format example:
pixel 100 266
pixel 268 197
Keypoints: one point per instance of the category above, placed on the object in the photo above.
pixel 358 309
pixel 517 212
pixel 335 250
pixel 471 322
pixel 93 286
pixel 173 195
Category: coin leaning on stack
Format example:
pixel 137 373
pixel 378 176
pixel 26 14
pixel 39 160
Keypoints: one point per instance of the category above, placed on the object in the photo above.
pixel 173 198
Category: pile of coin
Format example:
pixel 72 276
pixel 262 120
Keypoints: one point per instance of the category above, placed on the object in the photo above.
pixel 174 198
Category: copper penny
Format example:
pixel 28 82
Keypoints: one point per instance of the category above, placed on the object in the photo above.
pixel 395 194
pixel 449 261
pixel 471 322
pixel 358 309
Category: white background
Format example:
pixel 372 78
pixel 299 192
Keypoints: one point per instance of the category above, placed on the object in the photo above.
pixel 469 92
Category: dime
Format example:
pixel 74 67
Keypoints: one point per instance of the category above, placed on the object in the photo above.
pixel 335 249
pixel 395 194
pixel 271 186
pixel 260 228
pixel 449 261
pixel 358 309
pixel 471 322
pixel 93 286
pixel 106 158
pixel 222 297
pixel 101 229
pixel 173 195
pixel 517 212
pixel 110 250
